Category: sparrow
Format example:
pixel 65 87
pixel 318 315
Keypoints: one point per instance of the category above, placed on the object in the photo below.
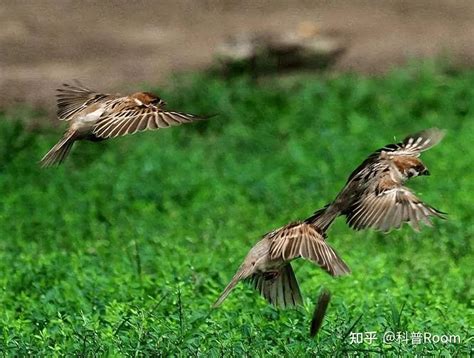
pixel 267 266
pixel 96 116
pixel 375 196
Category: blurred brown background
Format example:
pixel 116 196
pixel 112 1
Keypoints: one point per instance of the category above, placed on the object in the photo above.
pixel 116 45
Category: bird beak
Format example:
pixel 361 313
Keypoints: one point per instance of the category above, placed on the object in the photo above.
pixel 162 103
pixel 426 172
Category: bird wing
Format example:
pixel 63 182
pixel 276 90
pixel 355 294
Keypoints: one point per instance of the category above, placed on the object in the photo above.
pixel 282 290
pixel 304 240
pixel 416 143
pixel 412 145
pixel 72 99
pixel 388 206
pixel 133 118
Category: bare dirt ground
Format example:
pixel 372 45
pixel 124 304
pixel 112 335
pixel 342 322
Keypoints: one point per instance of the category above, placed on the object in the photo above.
pixel 116 45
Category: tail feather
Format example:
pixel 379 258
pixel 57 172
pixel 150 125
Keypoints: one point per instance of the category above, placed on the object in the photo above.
pixel 235 280
pixel 281 291
pixel 319 312
pixel 323 218
pixel 59 152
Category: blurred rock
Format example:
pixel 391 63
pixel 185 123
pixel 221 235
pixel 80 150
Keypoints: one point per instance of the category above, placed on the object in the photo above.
pixel 307 48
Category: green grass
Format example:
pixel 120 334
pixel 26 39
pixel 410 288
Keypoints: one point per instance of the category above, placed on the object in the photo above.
pixel 123 250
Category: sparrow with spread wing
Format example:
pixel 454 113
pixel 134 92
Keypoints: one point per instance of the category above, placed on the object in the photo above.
pixel 95 116
pixel 375 195
pixel 267 266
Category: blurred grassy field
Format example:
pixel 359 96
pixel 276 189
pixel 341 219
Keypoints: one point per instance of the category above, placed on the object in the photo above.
pixel 123 250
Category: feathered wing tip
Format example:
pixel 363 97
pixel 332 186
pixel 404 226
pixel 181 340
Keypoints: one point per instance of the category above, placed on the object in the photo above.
pixel 59 152
pixel 425 139
pixel 415 143
pixel 74 88
pixel 73 98
pixel 322 218
pixel 338 266
pixel 281 290
pixel 391 211
pixel 319 312
pixel 73 91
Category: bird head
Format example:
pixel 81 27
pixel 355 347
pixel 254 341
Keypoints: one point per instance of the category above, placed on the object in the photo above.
pixel 149 98
pixel 410 167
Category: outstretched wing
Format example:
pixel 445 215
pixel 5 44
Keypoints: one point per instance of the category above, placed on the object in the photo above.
pixel 389 206
pixel 72 99
pixel 304 240
pixel 138 118
pixel 416 143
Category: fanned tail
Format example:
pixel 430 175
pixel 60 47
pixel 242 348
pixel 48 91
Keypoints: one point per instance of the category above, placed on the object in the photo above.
pixel 323 218
pixel 59 152
pixel 237 277
pixel 281 291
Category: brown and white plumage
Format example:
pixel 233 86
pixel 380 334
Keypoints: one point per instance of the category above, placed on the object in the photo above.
pixel 72 99
pixel 375 195
pixel 267 266
pixel 96 116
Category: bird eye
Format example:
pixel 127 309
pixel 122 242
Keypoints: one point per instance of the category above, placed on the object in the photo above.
pixel 412 172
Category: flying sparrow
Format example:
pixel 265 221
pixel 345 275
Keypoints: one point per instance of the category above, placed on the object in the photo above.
pixel 267 266
pixel 375 195
pixel 95 116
